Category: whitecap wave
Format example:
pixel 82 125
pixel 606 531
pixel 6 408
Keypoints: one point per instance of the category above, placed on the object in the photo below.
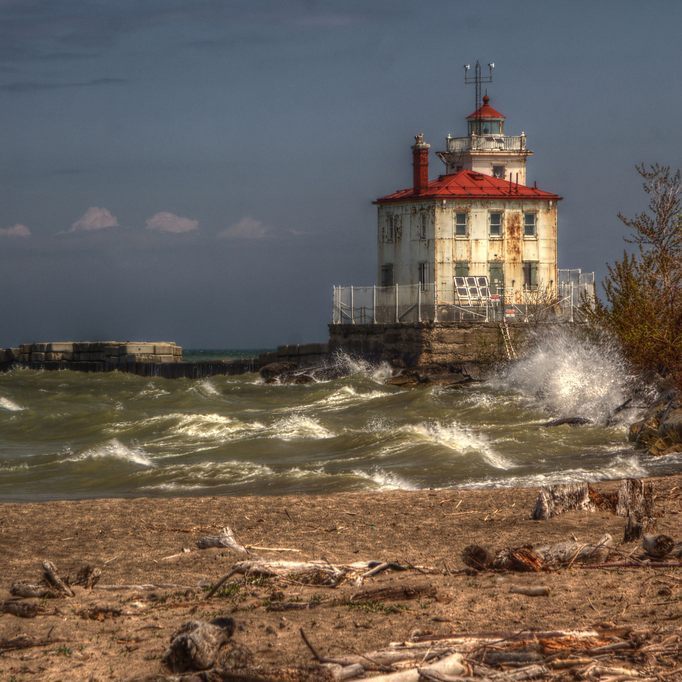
pixel 10 405
pixel 299 427
pixel 116 450
pixel 571 376
pixel 352 365
pixel 205 387
pixel 385 480
pixel 460 439
pixel 619 467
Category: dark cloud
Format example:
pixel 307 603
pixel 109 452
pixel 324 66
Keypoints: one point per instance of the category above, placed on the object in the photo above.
pixel 34 86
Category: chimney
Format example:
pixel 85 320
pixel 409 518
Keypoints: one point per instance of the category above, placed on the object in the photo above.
pixel 420 164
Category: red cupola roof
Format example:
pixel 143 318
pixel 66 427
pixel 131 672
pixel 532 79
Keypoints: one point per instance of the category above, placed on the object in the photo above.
pixel 468 184
pixel 485 111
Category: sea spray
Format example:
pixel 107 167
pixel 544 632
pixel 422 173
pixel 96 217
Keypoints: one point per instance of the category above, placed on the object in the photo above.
pixel 570 375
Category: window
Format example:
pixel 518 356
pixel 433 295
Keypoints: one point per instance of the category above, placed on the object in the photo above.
pixel 461 268
pixel 529 225
pixel 392 228
pixel 530 274
pixel 460 224
pixel 423 274
pixel 499 172
pixel 496 224
pixel 387 275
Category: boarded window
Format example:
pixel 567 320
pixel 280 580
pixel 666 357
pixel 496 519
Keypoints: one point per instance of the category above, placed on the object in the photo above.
pixel 392 229
pixel 496 224
pixel 529 225
pixel 530 274
pixel 461 268
pixel 421 225
pixel 460 224
pixel 496 272
pixel 387 275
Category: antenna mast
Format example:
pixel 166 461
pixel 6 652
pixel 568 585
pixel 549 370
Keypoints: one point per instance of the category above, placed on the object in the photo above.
pixel 477 79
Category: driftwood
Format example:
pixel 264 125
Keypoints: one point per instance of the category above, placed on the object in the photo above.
pixel 27 590
pixel 636 527
pixel 557 499
pixel 308 572
pixel 571 421
pixel 398 593
pixel 24 642
pixel 52 578
pixel 536 559
pixel 21 609
pixel 453 664
pixel 225 539
pixel 88 576
pixel 658 546
pixel 195 646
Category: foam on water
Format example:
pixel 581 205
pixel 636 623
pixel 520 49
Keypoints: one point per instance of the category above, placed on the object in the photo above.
pixel 351 365
pixel 10 405
pixel 205 388
pixel 299 427
pixel 347 395
pixel 621 466
pixel 460 439
pixel 571 376
pixel 114 449
pixel 385 480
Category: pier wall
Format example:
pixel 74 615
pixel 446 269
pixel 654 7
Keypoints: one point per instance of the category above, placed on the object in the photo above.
pixel 426 343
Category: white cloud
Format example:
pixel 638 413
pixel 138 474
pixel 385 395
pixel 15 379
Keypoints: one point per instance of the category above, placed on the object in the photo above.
pixel 169 222
pixel 95 219
pixel 246 228
pixel 17 230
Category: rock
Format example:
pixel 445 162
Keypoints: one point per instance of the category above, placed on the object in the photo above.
pixel 195 646
pixel 671 426
pixel 571 421
pixel 275 370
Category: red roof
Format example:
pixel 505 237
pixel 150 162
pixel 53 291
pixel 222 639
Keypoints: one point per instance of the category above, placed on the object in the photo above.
pixel 485 111
pixel 467 184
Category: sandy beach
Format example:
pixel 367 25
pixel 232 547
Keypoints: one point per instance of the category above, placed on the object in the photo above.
pixel 120 633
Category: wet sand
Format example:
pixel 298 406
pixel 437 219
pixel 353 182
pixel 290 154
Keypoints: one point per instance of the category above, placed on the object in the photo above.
pixel 136 541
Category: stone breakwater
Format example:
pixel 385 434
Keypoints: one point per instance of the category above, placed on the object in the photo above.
pixel 160 358
pixel 659 432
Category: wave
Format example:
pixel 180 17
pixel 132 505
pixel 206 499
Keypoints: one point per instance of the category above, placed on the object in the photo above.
pixel 205 388
pixel 116 450
pixel 10 405
pixel 571 376
pixel 299 427
pixel 385 480
pixel 460 439
pixel 347 395
pixel 347 364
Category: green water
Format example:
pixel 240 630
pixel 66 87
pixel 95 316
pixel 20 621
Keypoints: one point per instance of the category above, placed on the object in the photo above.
pixel 70 434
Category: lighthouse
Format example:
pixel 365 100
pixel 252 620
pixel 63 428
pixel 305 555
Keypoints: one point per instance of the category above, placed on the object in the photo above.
pixel 478 218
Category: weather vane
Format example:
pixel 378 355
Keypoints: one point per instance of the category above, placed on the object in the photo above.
pixel 477 79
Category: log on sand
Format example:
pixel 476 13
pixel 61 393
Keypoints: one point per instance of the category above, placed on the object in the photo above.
pixel 195 646
pixel 658 546
pixel 557 499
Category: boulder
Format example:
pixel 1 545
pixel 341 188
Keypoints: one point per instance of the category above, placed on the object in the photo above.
pixel 275 370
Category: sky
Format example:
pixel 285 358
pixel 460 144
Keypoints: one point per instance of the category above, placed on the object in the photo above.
pixel 204 171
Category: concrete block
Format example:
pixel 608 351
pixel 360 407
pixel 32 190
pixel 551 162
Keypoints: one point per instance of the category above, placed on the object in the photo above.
pixel 37 357
pixel 139 348
pixel 39 347
pixel 60 347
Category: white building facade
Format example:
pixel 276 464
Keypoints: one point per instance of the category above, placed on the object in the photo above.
pixel 479 218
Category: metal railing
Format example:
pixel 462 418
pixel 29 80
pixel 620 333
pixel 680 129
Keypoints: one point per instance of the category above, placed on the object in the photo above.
pixel 410 303
pixel 475 142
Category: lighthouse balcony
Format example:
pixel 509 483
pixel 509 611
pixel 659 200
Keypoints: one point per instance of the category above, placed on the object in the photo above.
pixel 486 143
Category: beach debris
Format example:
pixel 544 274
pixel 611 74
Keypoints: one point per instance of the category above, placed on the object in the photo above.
pixel 51 577
pixel 21 609
pixel 636 503
pixel 658 546
pixel 558 499
pixel 24 642
pixel 226 538
pixel 599 653
pixel 29 590
pixel 100 612
pixel 88 576
pixel 196 644
pixel 315 572
pixel 534 559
